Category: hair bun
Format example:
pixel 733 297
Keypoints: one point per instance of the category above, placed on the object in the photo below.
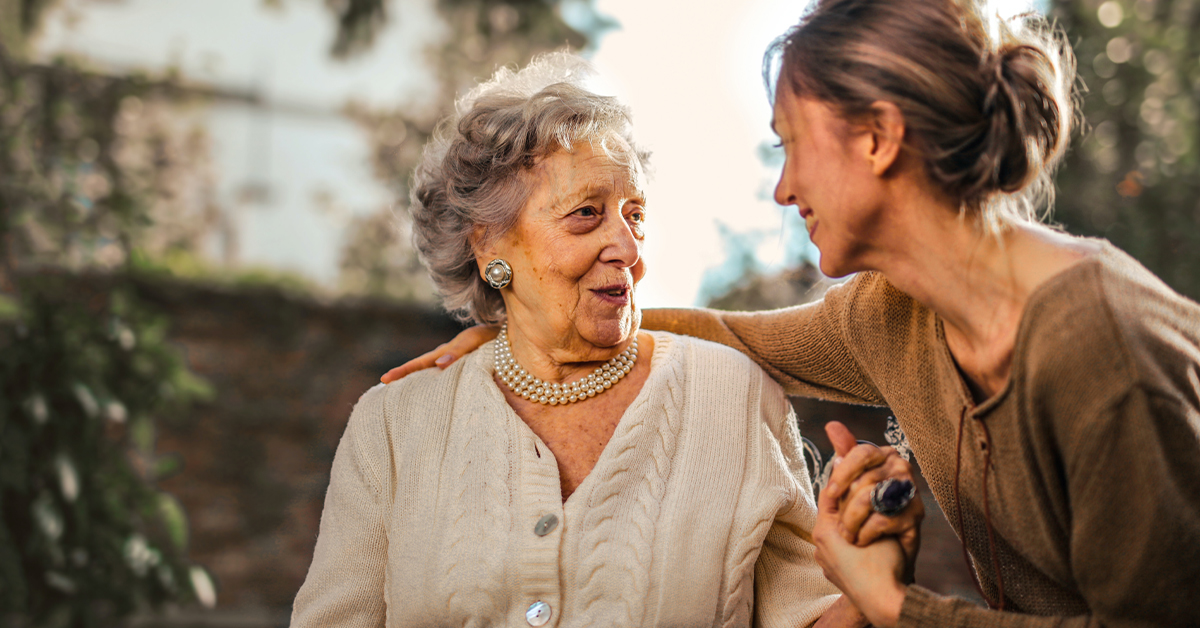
pixel 1025 127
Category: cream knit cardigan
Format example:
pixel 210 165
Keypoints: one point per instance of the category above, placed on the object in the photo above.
pixel 697 513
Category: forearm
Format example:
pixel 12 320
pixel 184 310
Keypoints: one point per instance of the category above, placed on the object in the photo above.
pixel 801 348
pixel 925 609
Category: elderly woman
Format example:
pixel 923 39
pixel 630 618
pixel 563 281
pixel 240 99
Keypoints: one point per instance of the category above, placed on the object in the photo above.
pixel 575 470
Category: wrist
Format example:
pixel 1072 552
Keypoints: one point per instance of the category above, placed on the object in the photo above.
pixel 885 608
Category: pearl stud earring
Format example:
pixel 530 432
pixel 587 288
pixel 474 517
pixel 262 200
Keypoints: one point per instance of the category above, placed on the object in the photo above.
pixel 498 273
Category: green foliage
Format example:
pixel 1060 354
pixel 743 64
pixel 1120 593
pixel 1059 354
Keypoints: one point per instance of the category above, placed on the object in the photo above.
pixel 185 264
pixel 1135 176
pixel 84 536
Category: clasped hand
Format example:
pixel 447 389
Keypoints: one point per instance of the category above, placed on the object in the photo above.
pixel 868 556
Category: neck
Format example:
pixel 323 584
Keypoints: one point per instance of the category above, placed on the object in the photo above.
pixel 978 283
pixel 559 359
pixel 970 279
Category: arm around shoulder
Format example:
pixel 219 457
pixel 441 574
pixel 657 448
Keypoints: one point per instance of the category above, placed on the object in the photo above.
pixel 803 348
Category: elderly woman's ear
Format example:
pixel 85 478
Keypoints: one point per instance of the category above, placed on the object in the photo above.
pixel 493 267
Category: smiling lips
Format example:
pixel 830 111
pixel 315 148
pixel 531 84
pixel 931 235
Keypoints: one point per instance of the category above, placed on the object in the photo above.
pixel 617 294
pixel 810 220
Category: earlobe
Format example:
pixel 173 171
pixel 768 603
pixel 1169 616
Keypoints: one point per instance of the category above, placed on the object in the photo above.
pixel 887 135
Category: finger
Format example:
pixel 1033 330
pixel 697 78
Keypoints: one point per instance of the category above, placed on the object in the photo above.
pixel 857 461
pixel 893 466
pixel 419 363
pixel 842 438
pixel 877 525
pixel 465 342
pixel 828 505
pixel 855 510
pixel 445 354
pixel 910 542
pixel 472 338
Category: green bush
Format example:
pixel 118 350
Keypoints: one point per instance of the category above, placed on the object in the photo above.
pixel 84 535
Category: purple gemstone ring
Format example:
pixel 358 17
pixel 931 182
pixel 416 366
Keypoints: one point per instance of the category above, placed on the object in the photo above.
pixel 891 496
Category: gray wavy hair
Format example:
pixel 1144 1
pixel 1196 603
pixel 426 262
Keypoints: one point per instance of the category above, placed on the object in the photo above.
pixel 471 174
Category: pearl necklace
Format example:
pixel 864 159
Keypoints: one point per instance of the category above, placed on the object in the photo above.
pixel 541 391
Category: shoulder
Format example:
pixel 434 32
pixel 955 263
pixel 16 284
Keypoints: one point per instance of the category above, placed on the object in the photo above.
pixel 1158 328
pixel 708 361
pixel 718 376
pixel 388 412
pixel 870 295
pixel 880 318
pixel 1109 324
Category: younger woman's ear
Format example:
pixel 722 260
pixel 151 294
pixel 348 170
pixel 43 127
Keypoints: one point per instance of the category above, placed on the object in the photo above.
pixel 887 136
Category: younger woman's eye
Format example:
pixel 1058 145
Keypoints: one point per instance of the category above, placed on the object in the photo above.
pixel 778 144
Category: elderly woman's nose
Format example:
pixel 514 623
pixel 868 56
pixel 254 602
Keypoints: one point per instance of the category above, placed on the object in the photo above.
pixel 623 247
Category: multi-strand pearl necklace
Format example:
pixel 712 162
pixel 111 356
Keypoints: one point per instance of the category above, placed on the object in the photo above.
pixel 541 391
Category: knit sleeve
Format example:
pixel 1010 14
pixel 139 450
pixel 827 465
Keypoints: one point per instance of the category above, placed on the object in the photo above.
pixel 790 588
pixel 345 583
pixel 804 348
pixel 927 609
pixel 1133 477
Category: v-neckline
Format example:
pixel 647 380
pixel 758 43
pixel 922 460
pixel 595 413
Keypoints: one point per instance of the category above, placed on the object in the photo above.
pixel 1034 301
pixel 662 345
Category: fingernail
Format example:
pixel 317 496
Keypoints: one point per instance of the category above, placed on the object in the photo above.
pixel 832 487
pixel 444 361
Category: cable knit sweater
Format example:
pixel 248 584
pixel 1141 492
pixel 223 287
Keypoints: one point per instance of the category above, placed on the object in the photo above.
pixel 1094 474
pixel 697 513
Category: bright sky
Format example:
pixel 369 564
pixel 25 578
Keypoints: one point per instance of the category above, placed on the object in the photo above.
pixel 692 76
pixel 693 79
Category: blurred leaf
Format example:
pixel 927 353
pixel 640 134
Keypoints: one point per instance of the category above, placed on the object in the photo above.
pixel 167 466
pixel 174 519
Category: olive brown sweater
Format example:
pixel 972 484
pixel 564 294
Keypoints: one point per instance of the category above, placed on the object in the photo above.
pixel 1092 447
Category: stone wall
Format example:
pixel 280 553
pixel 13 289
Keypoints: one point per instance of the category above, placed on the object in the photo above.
pixel 286 372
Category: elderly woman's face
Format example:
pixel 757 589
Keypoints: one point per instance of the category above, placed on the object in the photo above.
pixel 576 250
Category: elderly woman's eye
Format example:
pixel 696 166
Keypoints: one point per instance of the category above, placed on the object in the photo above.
pixel 638 216
pixel 586 212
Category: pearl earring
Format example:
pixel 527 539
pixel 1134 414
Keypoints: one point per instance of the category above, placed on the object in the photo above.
pixel 498 273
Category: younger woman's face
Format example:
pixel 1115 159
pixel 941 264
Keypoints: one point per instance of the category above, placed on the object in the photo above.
pixel 829 178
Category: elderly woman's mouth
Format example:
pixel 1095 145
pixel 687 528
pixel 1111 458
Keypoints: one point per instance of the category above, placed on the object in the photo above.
pixel 617 294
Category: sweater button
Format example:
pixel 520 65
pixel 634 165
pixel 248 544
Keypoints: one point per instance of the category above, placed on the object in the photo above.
pixel 538 613
pixel 545 526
